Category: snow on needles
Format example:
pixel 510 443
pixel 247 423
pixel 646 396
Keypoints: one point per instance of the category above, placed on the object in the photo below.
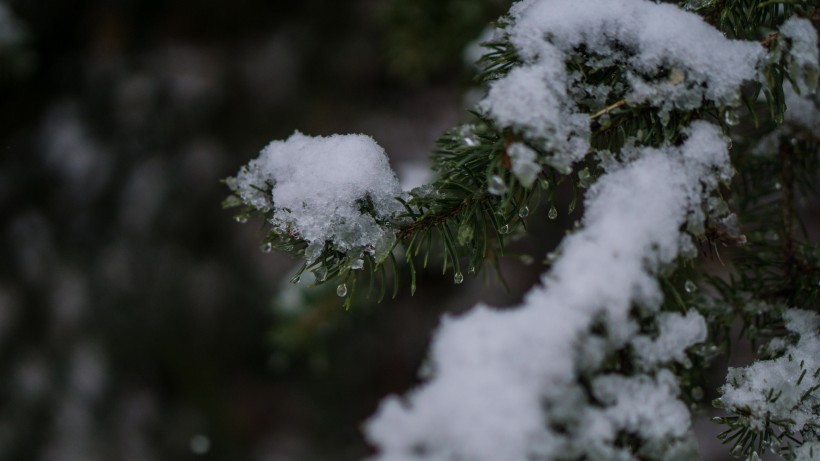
pixel 338 188
pixel 672 58
pixel 767 391
pixel 506 384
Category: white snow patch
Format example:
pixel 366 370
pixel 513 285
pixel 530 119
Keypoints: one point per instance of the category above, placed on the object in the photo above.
pixel 504 382
pixel 322 189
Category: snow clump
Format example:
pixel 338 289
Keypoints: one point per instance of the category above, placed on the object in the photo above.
pixel 672 58
pixel 337 189
pixel 767 390
pixel 530 382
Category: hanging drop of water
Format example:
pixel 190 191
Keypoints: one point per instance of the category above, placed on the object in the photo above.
pixel 341 290
pixel 458 278
pixel 241 219
pixel 497 186
pixel 357 264
pixel 471 270
pixel 266 247
pixel 296 280
pixel 690 286
pixel 697 393
pixel 505 229
pixel 321 274
pixel 553 213
pixel 524 212
pixel 470 141
pixel 731 118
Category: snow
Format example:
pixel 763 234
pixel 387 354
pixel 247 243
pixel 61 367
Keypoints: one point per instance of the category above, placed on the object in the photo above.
pixel 505 384
pixel 672 59
pixel 803 50
pixel 746 391
pixel 320 187
pixel 677 333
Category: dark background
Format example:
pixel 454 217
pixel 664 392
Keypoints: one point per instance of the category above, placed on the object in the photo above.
pixel 138 321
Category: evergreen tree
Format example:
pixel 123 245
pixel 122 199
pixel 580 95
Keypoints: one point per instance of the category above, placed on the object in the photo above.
pixel 692 132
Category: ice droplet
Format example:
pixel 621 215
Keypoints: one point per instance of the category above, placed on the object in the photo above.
pixel 341 290
pixel 321 274
pixel 497 186
pixel 505 229
pixel 458 278
pixel 690 286
pixel 241 219
pixel 553 213
pixel 266 247
pixel 524 212
pixel 731 118
pixel 584 178
pixel 357 264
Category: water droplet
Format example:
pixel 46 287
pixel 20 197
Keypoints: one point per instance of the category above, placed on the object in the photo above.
pixel 458 278
pixel 690 286
pixel 553 213
pixel 357 264
pixel 321 274
pixel 664 118
pixel 505 229
pixel 584 177
pixel 545 184
pixel 426 370
pixel 200 444
pixel 778 186
pixel 731 118
pixel 697 393
pixel 771 236
pixel 497 186
pixel 470 141
pixel 341 290
pixel 241 219
pixel 687 363
pixel 266 247
pixel 471 270
pixel 296 280
pixel 527 259
pixel 524 212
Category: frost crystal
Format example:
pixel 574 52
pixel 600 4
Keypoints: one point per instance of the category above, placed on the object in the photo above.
pixel 337 189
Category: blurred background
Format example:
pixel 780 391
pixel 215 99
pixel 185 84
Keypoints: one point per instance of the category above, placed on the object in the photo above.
pixel 138 320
